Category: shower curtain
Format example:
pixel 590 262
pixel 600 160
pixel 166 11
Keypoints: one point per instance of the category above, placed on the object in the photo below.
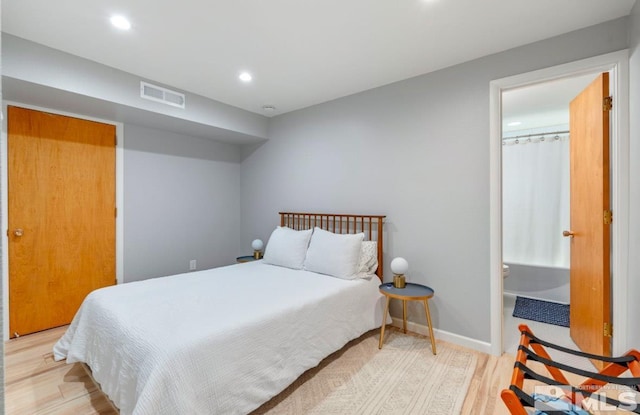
pixel 535 202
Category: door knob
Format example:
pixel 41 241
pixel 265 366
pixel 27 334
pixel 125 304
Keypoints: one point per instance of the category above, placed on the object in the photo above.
pixel 18 232
pixel 569 234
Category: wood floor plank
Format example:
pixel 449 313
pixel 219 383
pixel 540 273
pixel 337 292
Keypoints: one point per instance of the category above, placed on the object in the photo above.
pixel 44 338
pixel 35 384
pixel 39 391
pixel 19 369
pixel 88 404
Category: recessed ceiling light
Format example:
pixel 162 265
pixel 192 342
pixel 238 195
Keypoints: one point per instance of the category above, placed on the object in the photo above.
pixel 245 77
pixel 514 124
pixel 268 108
pixel 120 22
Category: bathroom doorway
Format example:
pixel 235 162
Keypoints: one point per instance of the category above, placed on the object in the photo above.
pixel 536 208
pixel 616 64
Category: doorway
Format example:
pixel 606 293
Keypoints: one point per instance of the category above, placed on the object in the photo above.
pixel 536 209
pixel 617 64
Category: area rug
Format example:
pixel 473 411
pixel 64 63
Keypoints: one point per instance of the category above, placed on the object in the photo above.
pixel 402 378
pixel 542 311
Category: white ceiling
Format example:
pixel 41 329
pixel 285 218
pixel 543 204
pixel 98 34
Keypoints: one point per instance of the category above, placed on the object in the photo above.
pixel 541 105
pixel 300 52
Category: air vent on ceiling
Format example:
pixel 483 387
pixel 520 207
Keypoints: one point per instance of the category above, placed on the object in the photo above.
pixel 160 94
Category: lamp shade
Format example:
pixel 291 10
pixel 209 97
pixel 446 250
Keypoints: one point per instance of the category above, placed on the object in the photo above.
pixel 257 244
pixel 399 266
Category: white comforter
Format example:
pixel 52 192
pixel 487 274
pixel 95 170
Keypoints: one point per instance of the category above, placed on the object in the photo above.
pixel 220 341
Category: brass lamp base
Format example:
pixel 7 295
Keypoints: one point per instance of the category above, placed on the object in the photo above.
pixel 257 254
pixel 399 281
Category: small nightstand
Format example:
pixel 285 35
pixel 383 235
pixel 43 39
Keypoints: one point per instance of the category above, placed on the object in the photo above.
pixel 246 258
pixel 412 292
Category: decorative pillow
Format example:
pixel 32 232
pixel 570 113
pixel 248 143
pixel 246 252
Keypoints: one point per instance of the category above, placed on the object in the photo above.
pixel 287 247
pixel 334 254
pixel 368 258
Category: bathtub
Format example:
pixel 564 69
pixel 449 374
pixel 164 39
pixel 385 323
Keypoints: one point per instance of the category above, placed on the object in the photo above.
pixel 545 283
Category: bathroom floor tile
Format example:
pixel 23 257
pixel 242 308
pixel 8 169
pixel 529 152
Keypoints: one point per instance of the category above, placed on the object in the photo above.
pixel 552 333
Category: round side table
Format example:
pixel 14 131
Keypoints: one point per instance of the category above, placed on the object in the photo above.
pixel 411 292
pixel 246 258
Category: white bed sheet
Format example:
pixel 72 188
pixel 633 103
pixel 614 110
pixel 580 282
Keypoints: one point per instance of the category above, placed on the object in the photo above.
pixel 219 341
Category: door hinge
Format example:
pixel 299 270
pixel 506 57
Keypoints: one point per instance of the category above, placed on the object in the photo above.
pixel 608 329
pixel 115 212
pixel 115 140
pixel 608 217
pixel 607 104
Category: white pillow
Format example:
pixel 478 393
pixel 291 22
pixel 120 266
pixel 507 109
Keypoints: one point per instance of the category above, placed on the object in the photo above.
pixel 368 259
pixel 287 247
pixel 334 254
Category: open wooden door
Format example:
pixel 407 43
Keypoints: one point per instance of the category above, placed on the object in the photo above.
pixel 590 218
pixel 61 188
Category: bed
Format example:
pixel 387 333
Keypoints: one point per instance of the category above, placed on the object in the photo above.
pixel 226 340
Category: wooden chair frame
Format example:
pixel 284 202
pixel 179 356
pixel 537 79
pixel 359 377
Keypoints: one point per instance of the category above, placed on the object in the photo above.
pixel 532 347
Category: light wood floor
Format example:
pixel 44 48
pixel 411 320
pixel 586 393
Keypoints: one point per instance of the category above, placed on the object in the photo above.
pixel 36 384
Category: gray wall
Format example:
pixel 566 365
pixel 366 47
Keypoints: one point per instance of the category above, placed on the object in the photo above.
pixel 181 202
pixel 634 231
pixel 417 151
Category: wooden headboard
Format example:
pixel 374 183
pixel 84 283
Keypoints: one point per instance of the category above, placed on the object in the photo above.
pixel 370 225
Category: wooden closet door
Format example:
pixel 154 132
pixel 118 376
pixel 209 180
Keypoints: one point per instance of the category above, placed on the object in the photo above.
pixel 590 227
pixel 61 188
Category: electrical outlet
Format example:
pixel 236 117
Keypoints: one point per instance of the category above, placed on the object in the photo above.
pixel 192 265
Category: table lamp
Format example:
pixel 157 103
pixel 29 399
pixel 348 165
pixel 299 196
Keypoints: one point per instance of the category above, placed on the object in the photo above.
pixel 399 266
pixel 257 246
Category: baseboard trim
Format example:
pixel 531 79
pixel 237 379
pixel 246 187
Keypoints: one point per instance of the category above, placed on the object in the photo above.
pixel 474 344
pixel 510 294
